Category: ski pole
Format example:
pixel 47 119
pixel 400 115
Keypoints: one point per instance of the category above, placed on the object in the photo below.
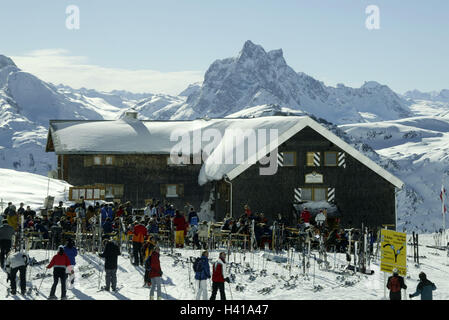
pixel 230 291
pixel 46 270
pixel 165 289
pixel 100 273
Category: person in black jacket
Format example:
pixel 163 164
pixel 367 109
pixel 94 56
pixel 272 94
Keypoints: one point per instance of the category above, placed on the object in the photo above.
pixel 395 283
pixel 6 233
pixel 110 255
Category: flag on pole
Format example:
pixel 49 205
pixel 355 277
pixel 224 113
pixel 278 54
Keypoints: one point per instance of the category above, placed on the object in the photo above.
pixel 442 195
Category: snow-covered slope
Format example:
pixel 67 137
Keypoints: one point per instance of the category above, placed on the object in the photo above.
pixel 29 188
pixel 265 111
pixel 419 147
pixel 154 104
pixel 286 284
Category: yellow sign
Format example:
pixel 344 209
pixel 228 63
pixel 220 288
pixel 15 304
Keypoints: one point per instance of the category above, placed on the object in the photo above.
pixel 393 251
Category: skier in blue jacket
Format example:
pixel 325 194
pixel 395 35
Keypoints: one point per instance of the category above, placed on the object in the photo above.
pixel 71 251
pixel 424 288
pixel 202 275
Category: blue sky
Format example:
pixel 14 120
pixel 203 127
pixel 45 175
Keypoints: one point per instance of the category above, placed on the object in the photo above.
pixel 161 46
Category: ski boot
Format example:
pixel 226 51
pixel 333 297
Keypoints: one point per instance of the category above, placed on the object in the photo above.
pixel 52 298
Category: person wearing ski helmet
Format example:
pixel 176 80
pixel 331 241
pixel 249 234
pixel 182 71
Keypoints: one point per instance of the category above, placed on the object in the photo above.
pixel 424 288
pixel 59 262
pixel 395 283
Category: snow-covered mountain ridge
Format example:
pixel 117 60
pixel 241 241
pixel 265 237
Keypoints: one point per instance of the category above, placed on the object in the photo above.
pixel 407 134
pixel 256 77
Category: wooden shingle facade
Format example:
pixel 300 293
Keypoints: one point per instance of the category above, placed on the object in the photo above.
pixel 359 193
pixel 313 165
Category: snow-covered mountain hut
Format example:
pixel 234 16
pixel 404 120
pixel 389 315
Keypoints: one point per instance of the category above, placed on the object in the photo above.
pixel 274 164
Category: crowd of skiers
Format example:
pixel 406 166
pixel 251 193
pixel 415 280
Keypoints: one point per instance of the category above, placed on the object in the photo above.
pixel 145 231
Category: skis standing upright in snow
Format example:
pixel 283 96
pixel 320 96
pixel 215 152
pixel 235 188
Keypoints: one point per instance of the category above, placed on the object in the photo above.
pixel 415 248
pixel 78 227
pixel 22 222
pixel 100 236
pixel 253 237
pixel 172 236
pixel 120 233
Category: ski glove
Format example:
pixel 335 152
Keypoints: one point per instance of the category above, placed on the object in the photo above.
pixel 227 280
pixel 160 272
pixel 410 296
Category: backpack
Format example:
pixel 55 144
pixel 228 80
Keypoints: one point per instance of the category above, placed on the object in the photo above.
pixel 194 220
pixel 395 285
pixel 198 265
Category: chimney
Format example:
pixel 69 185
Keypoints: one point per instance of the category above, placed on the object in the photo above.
pixel 131 114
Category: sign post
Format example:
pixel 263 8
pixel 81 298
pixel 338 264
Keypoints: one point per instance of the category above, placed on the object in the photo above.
pixel 393 253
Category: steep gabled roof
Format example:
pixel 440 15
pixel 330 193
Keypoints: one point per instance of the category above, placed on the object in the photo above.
pixel 308 122
pixel 129 136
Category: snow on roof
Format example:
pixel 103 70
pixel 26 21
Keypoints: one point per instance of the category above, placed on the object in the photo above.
pixel 130 136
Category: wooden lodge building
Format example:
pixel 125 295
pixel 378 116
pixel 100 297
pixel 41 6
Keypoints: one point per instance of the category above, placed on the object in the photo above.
pixel 130 159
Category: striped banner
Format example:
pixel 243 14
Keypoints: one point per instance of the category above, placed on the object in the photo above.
pixel 280 159
pixel 330 194
pixel 317 159
pixel 342 159
pixel 297 194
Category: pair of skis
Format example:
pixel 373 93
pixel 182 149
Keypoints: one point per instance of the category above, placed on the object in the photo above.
pixel 415 248
pixel 103 289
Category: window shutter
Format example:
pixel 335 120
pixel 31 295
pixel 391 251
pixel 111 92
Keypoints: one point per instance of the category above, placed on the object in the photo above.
pixel 331 195
pixel 342 159
pixel 317 159
pixel 297 194
pixel 180 190
pixel 88 161
pixel 163 190
pixel 280 159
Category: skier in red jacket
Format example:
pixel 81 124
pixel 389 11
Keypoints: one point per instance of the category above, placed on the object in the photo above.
pixel 219 277
pixel 60 262
pixel 155 274
pixel 181 225
pixel 305 216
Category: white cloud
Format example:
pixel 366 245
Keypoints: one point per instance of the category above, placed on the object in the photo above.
pixel 58 66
